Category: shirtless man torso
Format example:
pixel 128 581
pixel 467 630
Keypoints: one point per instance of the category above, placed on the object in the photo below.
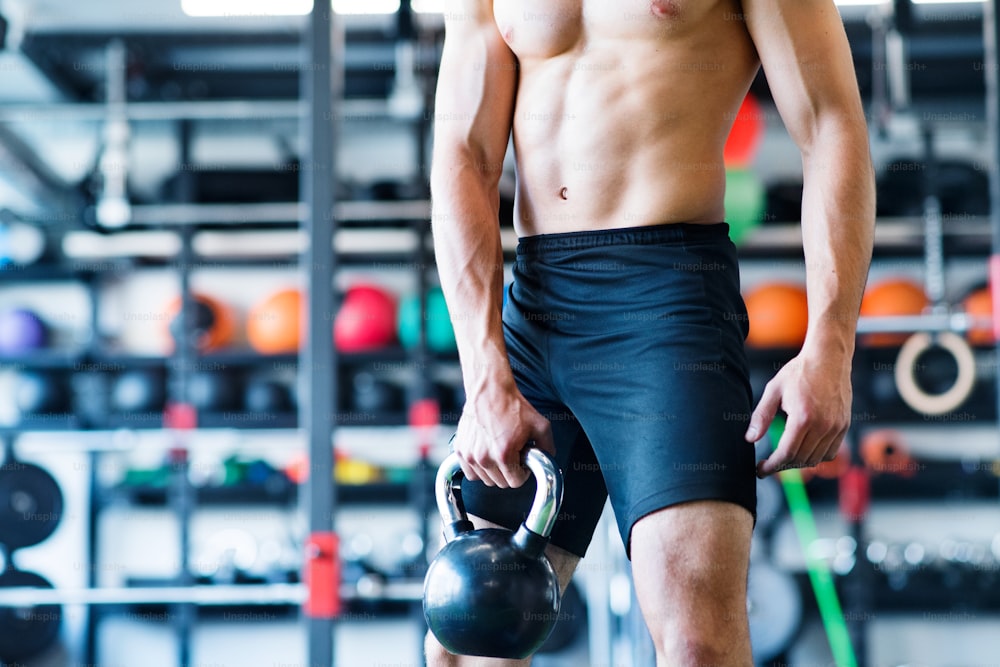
pixel 619 111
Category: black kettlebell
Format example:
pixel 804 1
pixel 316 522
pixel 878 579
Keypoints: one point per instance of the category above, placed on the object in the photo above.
pixel 492 592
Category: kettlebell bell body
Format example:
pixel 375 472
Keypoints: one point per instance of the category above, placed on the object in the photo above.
pixel 492 592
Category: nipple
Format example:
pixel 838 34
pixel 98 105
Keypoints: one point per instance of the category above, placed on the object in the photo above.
pixel 662 8
pixel 564 194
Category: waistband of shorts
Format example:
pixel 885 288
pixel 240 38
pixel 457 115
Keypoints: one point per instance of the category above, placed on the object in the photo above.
pixel 668 233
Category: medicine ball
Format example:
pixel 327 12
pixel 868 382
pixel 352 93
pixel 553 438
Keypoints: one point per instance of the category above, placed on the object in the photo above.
pixel 900 189
pixel 891 297
pixel 138 391
pixel 91 395
pixel 366 319
pixel 274 324
pixel 266 395
pixel 745 202
pixel 371 394
pixel 745 134
pixel 440 334
pixel 778 315
pixel 40 393
pixel 214 323
pixel 784 202
pixel 979 303
pixel 21 331
pixel 210 391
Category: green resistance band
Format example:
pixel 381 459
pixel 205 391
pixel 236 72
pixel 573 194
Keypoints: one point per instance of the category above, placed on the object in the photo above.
pixel 819 574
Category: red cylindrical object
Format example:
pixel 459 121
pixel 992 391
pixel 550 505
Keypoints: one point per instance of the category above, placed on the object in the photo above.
pixel 425 413
pixel 180 416
pixel 322 576
pixel 995 291
pixel 855 494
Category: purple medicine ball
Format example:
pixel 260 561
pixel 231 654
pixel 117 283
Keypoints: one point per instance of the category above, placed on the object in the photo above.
pixel 21 331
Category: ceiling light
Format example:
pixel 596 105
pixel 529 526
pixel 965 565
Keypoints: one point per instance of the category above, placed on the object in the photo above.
pixel 428 6
pixel 246 7
pixel 856 3
pixel 365 6
pixel 285 7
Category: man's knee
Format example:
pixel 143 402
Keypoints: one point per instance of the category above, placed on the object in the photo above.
pixel 699 651
pixel 437 655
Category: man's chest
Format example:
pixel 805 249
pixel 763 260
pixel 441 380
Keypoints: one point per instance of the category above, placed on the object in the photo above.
pixel 546 28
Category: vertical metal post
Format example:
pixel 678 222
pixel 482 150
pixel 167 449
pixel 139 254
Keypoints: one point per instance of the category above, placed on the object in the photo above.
pixel 991 62
pixel 320 83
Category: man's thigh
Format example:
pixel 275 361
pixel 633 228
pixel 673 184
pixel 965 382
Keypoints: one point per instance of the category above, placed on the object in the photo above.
pixel 690 564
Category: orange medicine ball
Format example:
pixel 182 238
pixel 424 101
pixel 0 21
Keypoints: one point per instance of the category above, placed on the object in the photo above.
pixel 273 325
pixel 980 304
pixel 892 297
pixel 779 315
pixel 214 323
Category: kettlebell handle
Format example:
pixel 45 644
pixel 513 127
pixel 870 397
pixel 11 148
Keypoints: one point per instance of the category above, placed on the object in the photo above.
pixel 534 532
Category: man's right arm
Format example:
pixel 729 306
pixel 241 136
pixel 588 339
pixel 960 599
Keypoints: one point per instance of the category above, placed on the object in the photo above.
pixel 474 109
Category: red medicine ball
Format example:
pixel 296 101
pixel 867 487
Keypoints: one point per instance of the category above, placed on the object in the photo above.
pixel 366 319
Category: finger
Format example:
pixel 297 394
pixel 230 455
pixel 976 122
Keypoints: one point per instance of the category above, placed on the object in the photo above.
pixel 459 442
pixel 542 436
pixel 814 447
pixel 468 471
pixel 787 453
pixel 514 474
pixel 481 466
pixel 828 447
pixel 762 417
pixel 829 437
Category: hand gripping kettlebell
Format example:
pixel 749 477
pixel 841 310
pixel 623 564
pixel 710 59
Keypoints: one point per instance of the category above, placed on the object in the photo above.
pixel 492 592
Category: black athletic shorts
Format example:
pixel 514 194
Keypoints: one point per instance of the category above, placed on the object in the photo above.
pixel 631 342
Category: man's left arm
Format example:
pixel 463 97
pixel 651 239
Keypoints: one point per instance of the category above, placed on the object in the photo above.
pixel 804 53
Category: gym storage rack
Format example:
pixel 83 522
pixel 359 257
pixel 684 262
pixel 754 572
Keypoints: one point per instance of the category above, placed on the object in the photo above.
pixel 318 233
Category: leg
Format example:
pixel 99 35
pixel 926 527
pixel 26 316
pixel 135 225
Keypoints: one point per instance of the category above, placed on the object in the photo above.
pixel 690 563
pixel 563 562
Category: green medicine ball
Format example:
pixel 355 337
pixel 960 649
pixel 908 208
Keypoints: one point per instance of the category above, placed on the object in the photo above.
pixel 745 202
pixel 440 334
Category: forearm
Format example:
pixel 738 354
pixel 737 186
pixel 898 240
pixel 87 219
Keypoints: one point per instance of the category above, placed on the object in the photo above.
pixel 470 265
pixel 838 220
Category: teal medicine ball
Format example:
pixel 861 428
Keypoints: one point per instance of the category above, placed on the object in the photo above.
pixel 440 334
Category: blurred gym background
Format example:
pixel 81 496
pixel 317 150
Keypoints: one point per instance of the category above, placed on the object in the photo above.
pixel 162 424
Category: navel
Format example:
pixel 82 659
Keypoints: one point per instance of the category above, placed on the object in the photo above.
pixel 564 194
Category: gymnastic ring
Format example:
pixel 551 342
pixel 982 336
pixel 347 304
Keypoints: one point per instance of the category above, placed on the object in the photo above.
pixel 906 381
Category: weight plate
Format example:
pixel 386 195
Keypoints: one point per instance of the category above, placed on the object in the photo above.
pixel 770 501
pixel 774 604
pixel 26 631
pixel 31 504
